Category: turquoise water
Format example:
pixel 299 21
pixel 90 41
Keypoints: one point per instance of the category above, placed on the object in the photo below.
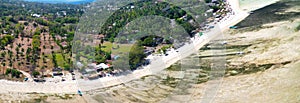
pixel 62 1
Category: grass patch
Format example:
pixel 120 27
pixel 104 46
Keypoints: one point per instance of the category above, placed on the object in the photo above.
pixel 116 48
pixel 123 48
pixel 60 60
pixel 107 46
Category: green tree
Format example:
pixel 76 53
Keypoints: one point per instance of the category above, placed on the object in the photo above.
pixel 67 67
pixel 136 56
pixel 13 72
pixel 35 73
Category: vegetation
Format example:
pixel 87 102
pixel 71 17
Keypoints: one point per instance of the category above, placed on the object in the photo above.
pixel 149 8
pixel 13 73
pixel 31 43
pixel 151 41
pixel 7 39
pixel 136 56
pixel 35 73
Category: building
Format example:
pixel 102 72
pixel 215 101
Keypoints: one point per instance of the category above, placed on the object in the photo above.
pixel 102 66
pixel 36 15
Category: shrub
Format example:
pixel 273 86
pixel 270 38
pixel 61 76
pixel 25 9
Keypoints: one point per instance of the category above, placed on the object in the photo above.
pixel 13 72
pixel 35 73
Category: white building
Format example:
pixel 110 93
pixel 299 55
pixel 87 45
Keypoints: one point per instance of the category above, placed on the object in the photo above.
pixel 36 15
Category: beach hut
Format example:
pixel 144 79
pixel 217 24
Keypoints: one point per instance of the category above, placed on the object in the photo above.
pixel 102 65
pixel 36 15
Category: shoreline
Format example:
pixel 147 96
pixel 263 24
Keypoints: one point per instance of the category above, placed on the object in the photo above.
pixel 165 61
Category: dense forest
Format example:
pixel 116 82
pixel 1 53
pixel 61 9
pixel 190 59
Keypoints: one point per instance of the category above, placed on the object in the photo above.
pixel 125 15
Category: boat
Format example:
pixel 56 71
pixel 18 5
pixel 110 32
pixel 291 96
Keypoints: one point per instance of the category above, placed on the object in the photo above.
pixel 233 27
pixel 79 92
